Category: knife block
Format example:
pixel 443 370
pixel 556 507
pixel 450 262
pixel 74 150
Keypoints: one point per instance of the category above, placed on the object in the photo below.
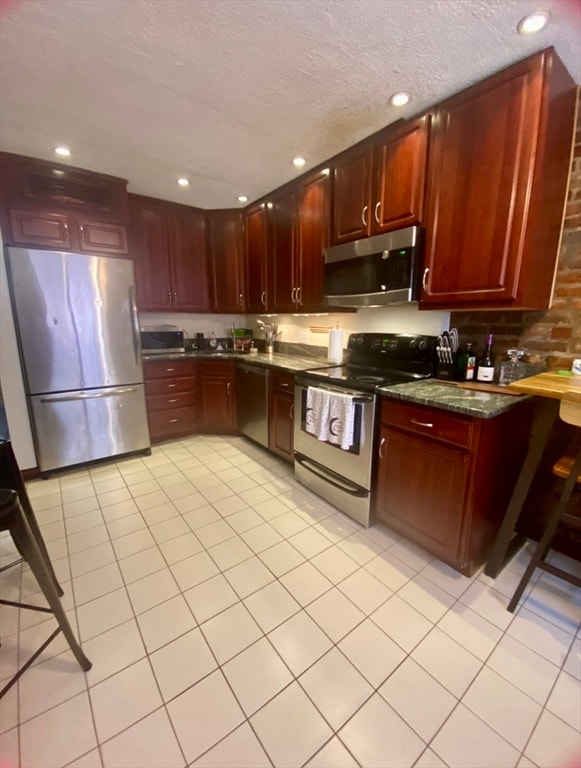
pixel 447 371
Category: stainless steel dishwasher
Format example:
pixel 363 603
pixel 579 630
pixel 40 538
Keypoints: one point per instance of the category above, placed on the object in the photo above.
pixel 252 402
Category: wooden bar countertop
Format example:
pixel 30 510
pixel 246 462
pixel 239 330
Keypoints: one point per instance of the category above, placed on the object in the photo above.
pixel 548 384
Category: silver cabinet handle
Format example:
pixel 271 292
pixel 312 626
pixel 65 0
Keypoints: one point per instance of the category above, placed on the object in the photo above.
pixel 168 370
pixel 422 423
pixel 425 278
pixel 294 296
pixel 299 301
pixel 173 421
pixel 291 412
pixel 88 396
pixel 172 400
pixel 66 227
pixel 241 300
pixel 169 386
pixel 381 447
pixel 283 384
pixel 363 212
pixel 82 229
pixel 376 211
pixel 228 389
pixel 169 293
pixel 263 298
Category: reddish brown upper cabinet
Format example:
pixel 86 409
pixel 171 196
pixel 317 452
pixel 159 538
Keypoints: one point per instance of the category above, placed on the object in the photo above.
pixel 256 226
pixel 227 261
pixel 498 168
pixel 168 246
pixel 299 224
pixel 380 183
pixel 50 205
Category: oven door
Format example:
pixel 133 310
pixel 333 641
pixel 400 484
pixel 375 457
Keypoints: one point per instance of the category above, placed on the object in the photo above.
pixel 354 464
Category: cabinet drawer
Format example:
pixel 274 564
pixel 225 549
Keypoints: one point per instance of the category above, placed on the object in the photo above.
pixel 217 367
pixel 170 386
pixel 165 402
pixel 171 422
pixel 282 381
pixel 162 369
pixel 430 422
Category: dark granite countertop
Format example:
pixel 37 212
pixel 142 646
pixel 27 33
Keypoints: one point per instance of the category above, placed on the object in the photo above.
pixel 484 405
pixel 276 360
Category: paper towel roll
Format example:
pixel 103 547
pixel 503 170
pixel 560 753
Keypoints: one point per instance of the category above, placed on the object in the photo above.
pixel 335 352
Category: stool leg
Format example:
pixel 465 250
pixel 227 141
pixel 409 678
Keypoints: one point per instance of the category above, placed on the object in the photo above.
pixel 34 527
pixel 24 538
pixel 550 530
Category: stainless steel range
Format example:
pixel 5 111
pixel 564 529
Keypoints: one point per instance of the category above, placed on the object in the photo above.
pixel 335 421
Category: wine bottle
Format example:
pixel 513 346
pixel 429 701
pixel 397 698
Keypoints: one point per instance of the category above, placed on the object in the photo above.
pixel 466 363
pixel 485 370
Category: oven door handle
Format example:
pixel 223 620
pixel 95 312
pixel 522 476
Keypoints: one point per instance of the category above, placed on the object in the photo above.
pixel 331 477
pixel 357 396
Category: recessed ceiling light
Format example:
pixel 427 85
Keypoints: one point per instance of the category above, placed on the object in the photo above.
pixel 298 162
pixel 183 182
pixel 242 199
pixel 62 151
pixel 400 99
pixel 533 22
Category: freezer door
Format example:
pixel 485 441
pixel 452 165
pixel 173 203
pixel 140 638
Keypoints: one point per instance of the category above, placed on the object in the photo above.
pixel 76 427
pixel 76 319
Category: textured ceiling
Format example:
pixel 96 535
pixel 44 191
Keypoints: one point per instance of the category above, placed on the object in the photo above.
pixel 227 92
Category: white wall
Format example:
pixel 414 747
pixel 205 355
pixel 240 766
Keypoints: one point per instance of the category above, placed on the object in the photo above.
pixel 192 324
pixel 11 380
pixel 406 318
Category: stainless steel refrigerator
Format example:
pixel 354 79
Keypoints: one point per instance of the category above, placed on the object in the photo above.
pixel 78 335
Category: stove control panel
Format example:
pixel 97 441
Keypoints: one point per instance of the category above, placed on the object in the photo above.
pixel 392 350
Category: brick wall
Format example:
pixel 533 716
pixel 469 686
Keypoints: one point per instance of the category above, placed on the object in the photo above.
pixel 553 336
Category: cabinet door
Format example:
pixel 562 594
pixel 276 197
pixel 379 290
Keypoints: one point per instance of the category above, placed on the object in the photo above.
pixel 227 261
pixel 256 223
pixel 430 512
pixel 97 237
pixel 480 173
pixel 313 233
pixel 217 411
pixel 352 195
pixel 281 424
pixel 400 166
pixel 188 258
pixel 281 268
pixel 150 254
pixel 38 228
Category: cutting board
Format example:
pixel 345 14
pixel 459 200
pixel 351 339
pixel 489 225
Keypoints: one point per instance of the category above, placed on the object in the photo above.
pixel 480 387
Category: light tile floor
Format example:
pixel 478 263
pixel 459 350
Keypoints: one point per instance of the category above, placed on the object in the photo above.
pixel 235 619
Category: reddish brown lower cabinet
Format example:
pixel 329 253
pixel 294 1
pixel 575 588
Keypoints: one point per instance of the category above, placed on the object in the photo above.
pixel 170 389
pixel 281 406
pixel 217 396
pixel 444 480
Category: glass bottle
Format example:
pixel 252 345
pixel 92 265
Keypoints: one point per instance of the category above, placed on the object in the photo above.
pixel 513 369
pixel 485 370
pixel 466 363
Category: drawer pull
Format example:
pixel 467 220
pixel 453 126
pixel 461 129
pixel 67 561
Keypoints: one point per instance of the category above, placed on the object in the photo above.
pixel 172 400
pixel 173 421
pixel 169 370
pixel 422 423
pixel 170 386
pixel 284 384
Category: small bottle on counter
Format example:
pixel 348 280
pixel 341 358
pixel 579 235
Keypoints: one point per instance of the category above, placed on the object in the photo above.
pixel 466 363
pixel 485 370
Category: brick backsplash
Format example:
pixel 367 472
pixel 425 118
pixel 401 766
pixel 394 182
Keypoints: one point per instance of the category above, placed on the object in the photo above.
pixel 552 337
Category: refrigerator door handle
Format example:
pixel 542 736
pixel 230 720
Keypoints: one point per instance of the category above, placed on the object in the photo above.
pixel 134 323
pixel 88 395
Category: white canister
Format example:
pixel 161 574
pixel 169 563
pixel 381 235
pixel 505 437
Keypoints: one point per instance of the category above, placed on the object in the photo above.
pixel 576 367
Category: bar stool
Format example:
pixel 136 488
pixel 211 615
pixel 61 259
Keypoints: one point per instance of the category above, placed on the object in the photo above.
pixel 15 521
pixel 569 411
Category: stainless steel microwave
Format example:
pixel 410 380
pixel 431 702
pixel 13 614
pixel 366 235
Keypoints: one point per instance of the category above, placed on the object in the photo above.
pixel 161 342
pixel 377 271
